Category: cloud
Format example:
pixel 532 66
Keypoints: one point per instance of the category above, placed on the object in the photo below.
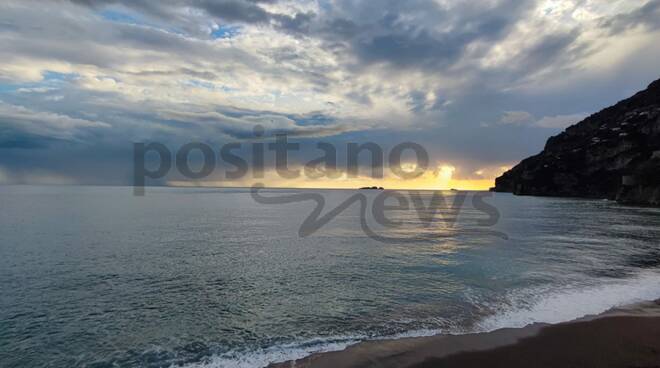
pixel 524 118
pixel 241 125
pixel 516 117
pixel 104 74
pixel 418 34
pixel 647 15
pixel 184 14
pixel 47 125
pixel 34 177
pixel 560 121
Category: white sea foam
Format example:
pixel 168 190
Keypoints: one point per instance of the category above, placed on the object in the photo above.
pixel 524 307
pixel 413 333
pixel 277 354
pixel 547 306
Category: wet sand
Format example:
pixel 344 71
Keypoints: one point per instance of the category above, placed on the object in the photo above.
pixel 625 337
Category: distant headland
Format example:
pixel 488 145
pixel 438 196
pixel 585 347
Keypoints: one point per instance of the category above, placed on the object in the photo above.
pixel 614 154
pixel 372 188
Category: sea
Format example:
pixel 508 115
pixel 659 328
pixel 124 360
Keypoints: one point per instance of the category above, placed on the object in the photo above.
pixel 206 277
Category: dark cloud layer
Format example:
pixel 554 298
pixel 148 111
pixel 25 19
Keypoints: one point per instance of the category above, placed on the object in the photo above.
pixel 647 15
pixel 243 11
pixel 396 38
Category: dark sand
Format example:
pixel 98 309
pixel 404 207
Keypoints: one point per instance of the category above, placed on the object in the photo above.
pixel 627 337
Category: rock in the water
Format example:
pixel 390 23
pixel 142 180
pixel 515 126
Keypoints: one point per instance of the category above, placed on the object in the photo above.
pixel 614 154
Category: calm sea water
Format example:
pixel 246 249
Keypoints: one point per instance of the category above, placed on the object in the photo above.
pixel 95 277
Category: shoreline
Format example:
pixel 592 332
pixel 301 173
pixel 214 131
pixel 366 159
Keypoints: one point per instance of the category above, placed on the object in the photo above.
pixel 626 336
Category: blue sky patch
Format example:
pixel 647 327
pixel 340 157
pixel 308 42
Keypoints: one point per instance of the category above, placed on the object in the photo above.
pixel 226 32
pixel 210 86
pixel 119 17
pixel 50 76
pixel 51 79
pixel 6 87
pixel 316 119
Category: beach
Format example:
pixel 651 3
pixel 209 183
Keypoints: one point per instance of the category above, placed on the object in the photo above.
pixel 623 337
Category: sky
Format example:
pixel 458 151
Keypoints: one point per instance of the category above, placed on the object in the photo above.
pixel 480 84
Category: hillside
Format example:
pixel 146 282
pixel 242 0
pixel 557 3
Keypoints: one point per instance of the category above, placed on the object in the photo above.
pixel 613 154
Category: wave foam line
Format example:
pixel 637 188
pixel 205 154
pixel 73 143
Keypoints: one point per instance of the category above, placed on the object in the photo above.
pixel 524 307
pixel 538 306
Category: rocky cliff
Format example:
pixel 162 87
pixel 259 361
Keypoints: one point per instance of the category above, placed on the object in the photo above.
pixel 614 154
